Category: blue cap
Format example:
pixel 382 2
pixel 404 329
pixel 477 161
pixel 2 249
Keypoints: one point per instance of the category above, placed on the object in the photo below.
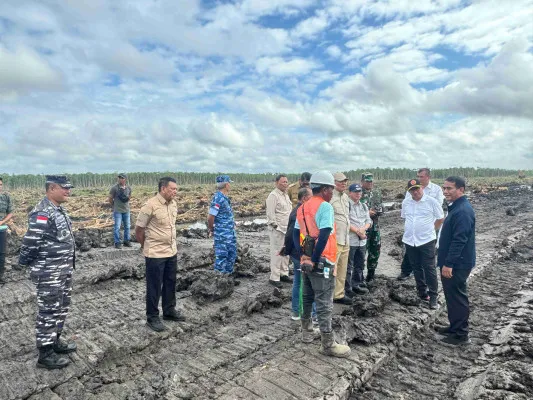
pixel 355 187
pixel 61 180
pixel 223 178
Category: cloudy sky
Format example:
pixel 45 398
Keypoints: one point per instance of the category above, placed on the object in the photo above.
pixel 264 85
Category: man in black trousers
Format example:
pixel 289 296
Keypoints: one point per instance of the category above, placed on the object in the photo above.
pixel 456 258
pixel 423 217
pixel 155 230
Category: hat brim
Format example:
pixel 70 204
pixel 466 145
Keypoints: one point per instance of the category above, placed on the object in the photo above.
pixel 415 187
pixel 67 186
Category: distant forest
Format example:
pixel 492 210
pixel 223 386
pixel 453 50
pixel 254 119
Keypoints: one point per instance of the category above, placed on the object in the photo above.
pixel 87 180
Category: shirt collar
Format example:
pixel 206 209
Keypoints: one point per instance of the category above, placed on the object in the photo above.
pixel 52 204
pixel 161 199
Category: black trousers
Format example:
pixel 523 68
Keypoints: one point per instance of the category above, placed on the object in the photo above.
pixel 407 268
pixel 456 294
pixel 3 251
pixel 356 266
pixel 406 265
pixel 160 282
pixel 422 259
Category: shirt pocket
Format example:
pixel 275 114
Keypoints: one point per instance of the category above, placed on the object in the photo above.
pixel 161 216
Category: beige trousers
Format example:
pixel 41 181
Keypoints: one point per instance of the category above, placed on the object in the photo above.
pixel 278 265
pixel 341 267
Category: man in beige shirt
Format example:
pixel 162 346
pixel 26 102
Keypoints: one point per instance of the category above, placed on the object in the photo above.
pixel 341 207
pixel 155 230
pixel 278 210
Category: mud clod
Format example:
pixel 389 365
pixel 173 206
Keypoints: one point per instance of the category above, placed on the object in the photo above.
pixel 374 302
pixel 211 286
pixel 404 293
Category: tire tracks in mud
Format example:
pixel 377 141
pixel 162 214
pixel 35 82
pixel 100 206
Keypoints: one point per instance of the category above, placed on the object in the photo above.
pixel 426 369
pixel 222 351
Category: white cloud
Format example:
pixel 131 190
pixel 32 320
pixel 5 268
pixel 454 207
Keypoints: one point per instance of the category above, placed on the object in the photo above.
pixel 334 51
pixel 503 87
pixel 278 67
pixel 310 27
pixel 24 70
pixel 242 85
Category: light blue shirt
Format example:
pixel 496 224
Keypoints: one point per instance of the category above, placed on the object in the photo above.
pixel 324 217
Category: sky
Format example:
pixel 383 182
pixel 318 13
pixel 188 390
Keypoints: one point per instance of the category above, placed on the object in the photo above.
pixel 264 85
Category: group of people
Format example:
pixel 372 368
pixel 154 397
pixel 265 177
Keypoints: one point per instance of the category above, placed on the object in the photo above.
pixel 432 239
pixel 48 250
pixel 326 233
pixel 344 231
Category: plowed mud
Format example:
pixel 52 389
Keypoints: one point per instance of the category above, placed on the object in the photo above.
pixel 239 343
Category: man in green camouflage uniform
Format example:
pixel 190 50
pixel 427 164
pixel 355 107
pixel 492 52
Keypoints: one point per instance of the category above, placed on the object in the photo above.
pixel 373 199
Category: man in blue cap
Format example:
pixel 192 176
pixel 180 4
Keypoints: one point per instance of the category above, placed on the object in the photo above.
pixel 48 249
pixel 220 222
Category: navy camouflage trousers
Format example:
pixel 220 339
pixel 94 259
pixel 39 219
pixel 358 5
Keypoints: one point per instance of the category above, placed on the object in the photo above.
pixel 54 290
pixel 225 252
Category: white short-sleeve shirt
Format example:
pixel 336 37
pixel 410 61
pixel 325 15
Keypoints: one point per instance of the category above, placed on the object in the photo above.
pixel 420 217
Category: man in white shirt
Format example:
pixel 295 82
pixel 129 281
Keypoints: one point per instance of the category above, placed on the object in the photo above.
pixel 432 190
pixel 278 210
pixel 423 216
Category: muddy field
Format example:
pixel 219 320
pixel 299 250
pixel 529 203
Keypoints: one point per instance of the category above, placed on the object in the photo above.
pixel 239 342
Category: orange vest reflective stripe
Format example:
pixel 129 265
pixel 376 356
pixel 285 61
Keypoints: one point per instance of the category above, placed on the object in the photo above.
pixel 310 209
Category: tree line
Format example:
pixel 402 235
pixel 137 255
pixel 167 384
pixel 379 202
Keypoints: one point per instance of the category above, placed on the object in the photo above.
pixel 88 179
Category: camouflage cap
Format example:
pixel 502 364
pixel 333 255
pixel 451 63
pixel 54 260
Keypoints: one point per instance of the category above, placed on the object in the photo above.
pixel 122 175
pixel 60 180
pixel 223 178
pixel 367 177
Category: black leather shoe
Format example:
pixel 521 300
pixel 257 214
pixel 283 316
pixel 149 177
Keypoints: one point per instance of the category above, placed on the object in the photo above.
pixel 175 315
pixel 275 283
pixel 155 324
pixel 285 278
pixel 403 277
pixel 443 330
pixel 433 304
pixel 360 290
pixel 118 246
pixel 63 347
pixel 50 360
pixel 344 300
pixel 127 243
pixel 456 340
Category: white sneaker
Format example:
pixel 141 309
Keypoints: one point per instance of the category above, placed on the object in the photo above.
pixel 295 316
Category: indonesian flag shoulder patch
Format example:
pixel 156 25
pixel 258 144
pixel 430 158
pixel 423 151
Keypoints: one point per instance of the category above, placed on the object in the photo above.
pixel 42 219
pixel 217 206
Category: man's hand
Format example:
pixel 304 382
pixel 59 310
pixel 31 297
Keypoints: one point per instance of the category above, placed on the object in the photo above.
pixel 361 233
pixel 209 234
pixel 447 272
pixel 372 212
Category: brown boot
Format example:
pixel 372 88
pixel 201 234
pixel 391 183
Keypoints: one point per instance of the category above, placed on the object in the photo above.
pixel 331 348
